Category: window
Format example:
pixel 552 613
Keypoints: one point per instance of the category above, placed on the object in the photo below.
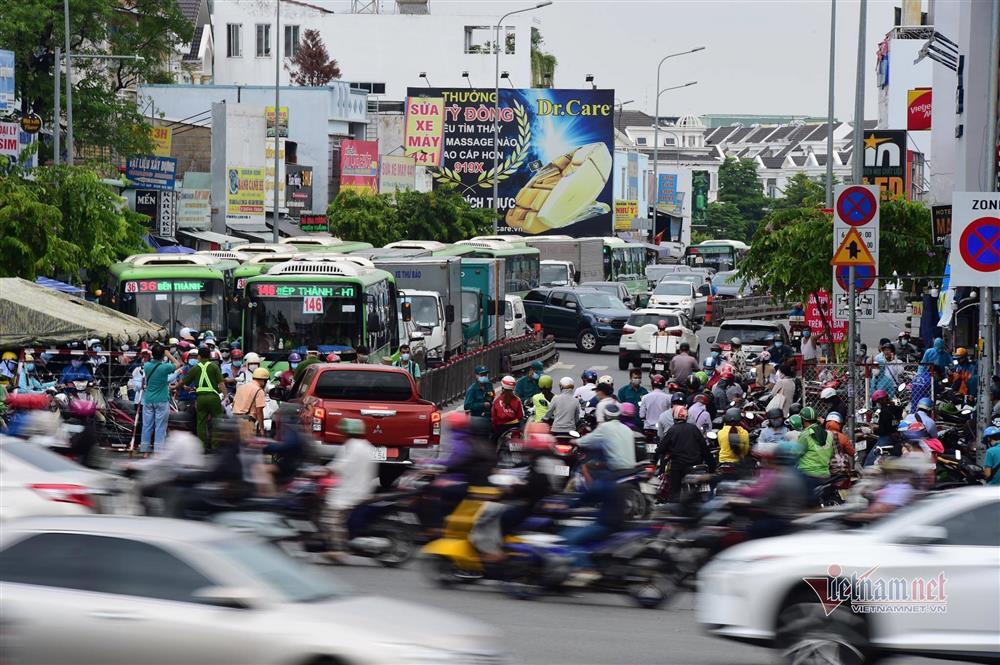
pixel 366 386
pixel 39 457
pixel 558 299
pixel 977 527
pixel 534 296
pixel 291 40
pixel 369 87
pixel 481 38
pixel 234 47
pixel 382 303
pixel 670 140
pixel 100 564
pixel 263 40
pixel 572 300
pixel 641 140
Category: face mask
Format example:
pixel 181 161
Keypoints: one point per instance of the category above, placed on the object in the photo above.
pixel 715 354
pixel 535 375
pixel 293 365
pixel 636 382
pixel 30 367
pixel 193 362
pixel 484 379
pixel 776 424
pixel 76 363
pixel 778 345
pixel 252 367
pixel 97 348
pixel 237 363
pixel 405 357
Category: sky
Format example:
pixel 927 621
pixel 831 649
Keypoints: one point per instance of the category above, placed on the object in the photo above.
pixel 760 57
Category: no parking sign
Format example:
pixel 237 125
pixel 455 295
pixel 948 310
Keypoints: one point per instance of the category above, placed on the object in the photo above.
pixel 975 239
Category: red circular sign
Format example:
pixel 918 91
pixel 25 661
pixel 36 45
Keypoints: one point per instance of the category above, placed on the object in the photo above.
pixel 980 244
pixel 856 206
pixel 864 277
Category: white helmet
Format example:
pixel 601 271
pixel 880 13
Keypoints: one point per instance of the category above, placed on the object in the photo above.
pixel 251 358
pixel 508 382
pixel 835 417
pixel 565 382
pixel 606 379
pixel 828 393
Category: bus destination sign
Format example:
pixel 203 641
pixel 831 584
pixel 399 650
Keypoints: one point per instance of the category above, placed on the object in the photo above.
pixel 303 290
pixel 157 286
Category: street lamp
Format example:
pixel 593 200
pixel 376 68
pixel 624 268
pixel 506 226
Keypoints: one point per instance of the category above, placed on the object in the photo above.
pixel 465 75
pixel 590 80
pixel 620 106
pixel 506 75
pixel 496 104
pixel 423 75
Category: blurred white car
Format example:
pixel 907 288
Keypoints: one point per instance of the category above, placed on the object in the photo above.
pixel 36 481
pixel 634 347
pixel 107 589
pixel 925 580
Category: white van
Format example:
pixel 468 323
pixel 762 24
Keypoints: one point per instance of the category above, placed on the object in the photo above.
pixel 514 320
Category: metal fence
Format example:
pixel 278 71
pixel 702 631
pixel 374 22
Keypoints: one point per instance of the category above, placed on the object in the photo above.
pixel 448 382
pixel 753 307
pixel 111 369
pixel 817 376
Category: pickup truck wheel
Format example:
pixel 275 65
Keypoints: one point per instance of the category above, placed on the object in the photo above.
pixel 587 342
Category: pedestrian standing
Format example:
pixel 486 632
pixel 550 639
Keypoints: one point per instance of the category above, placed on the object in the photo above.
pixel 207 379
pixel 634 391
pixel 405 361
pixel 248 404
pixel 479 396
pixel 527 385
pixel 155 405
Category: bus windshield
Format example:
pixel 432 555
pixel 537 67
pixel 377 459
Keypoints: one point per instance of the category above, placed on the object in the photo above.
pixel 720 257
pixel 522 272
pixel 293 317
pixel 176 303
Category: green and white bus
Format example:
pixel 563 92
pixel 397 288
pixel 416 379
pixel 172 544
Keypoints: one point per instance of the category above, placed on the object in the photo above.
pixel 175 290
pixel 626 263
pixel 324 244
pixel 326 303
pixel 522 264
pixel 722 255
pixel 433 246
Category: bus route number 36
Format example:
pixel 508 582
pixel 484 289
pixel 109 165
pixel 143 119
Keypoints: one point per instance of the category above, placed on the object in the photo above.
pixel 312 305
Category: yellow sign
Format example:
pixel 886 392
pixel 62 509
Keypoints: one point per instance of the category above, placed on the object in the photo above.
pixel 244 192
pixel 162 138
pixel 282 122
pixel 852 252
pixel 424 130
pixel 625 212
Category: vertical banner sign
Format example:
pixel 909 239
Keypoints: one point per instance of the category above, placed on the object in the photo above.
pixel 282 122
pixel 700 182
pixel 666 199
pixel 818 313
pixel 162 139
pixel 359 166
pixel 554 157
pixel 194 208
pixel 6 81
pixel 166 221
pixel 885 162
pixel 299 192
pixel 855 243
pixel 147 203
pixel 632 176
pixel 918 109
pixel 269 174
pixel 424 131
pixel 941 222
pixel 396 173
pixel 975 239
pixel 10 141
pixel 244 193
pixel 625 212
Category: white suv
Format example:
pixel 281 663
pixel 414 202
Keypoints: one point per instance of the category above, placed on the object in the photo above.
pixel 634 346
pixel 923 581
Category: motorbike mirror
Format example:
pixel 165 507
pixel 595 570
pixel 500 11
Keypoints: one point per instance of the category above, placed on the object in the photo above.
pixel 901 386
pixel 573 434
pixel 712 435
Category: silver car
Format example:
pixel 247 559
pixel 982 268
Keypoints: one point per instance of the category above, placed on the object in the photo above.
pixel 105 589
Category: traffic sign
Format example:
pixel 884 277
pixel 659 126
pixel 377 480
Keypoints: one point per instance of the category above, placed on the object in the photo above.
pixel 857 205
pixel 975 239
pixel 864 277
pixel 852 252
pixel 865 307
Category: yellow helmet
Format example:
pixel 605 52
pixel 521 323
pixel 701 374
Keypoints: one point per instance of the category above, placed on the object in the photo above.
pixel 961 352
pixel 9 355
pixel 261 373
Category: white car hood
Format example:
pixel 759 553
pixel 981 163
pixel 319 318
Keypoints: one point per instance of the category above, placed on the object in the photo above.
pixel 799 544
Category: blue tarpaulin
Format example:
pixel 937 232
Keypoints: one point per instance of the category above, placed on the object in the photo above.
pixel 166 247
pixel 60 286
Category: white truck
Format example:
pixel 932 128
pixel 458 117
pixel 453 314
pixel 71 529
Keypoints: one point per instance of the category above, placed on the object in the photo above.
pixel 569 261
pixel 432 287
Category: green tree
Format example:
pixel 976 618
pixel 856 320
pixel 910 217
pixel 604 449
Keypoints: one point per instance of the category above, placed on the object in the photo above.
pixel 723 220
pixel 739 184
pixel 363 217
pixel 104 110
pixel 543 64
pixel 801 191
pixel 26 226
pixel 442 215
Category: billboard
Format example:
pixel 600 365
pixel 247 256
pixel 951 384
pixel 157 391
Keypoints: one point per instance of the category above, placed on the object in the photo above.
pixel 424 130
pixel 359 166
pixel 885 162
pixel 269 174
pixel 244 192
pixel 918 109
pixel 162 139
pixel 700 181
pixel 554 158
pixel 396 173
pixel 6 82
pixel 626 210
pixel 152 172
pixel 282 122
pixel 299 196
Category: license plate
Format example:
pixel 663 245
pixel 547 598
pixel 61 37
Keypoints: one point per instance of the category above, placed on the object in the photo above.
pixel 861 445
pixel 380 454
pixel 561 470
pixel 659 366
pixel 650 447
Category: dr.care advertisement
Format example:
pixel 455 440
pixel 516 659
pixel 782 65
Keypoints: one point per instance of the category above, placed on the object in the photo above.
pixel 554 167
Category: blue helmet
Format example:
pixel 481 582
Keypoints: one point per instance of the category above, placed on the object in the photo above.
pixel 925 404
pixel 294 357
pixel 708 363
pixel 991 432
pixel 589 375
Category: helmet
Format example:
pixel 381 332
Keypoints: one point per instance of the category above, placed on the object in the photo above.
pixel 925 404
pixel 251 358
pixel 833 416
pixel 808 414
pixel 216 355
pixel 187 333
pixel 294 357
pixel 708 363
pixel 828 393
pixel 701 397
pixel 184 344
pixel 628 410
pixel 775 414
pixel 565 382
pixel 172 341
pixel 236 355
pixel 332 358
pixel 794 408
pixel 481 369
pixel 680 412
pixel 508 382
pixel 732 415
pixel 236 345
pixel 913 431
pixel 261 373
pixel 727 372
pixel 904 333
pixel 795 421
pixel 661 324
pixel 716 348
pixel 991 433
pixel 694 383
pixel 589 375
pixel 545 381
pixel 879 395
pixel 735 342
pixel 351 427
pixel 606 379
pixel 181 420
pixel 961 352
pixel 612 411
pixel 9 355
pixel 658 381
pixel 786 452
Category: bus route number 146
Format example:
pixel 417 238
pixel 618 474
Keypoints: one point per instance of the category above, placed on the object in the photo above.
pixel 312 305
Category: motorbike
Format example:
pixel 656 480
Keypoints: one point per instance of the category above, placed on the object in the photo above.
pixel 659 364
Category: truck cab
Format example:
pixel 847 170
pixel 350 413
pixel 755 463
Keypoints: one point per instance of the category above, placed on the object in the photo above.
pixel 558 273
pixel 485 276
pixel 427 314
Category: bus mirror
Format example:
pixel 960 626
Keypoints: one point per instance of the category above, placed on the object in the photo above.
pixel 374 323
pixel 407 311
pixel 449 313
pixel 576 276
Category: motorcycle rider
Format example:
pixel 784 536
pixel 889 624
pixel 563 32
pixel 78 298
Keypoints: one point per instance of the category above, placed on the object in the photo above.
pixel 775 431
pixel 965 375
pixel 764 368
pixel 907 349
pixel 469 461
pixel 652 406
pixel 727 378
pixel 634 391
pixel 890 415
pixel 614 438
pixel 734 440
pixel 312 357
pixel 832 401
pixel 356 471
pixel 817 446
pixel 507 411
pixel 564 409
pixel 405 360
pixel 686 447
pixel 991 462
pixel 779 493
pixel 288 452
pixel 179 453
pixel 540 401
pixel 698 413
pixel 834 423
pixel 586 391
pixel 603 396
pixel 666 420
pixel 778 351
pixel 924 415
pixel 28 381
pixel 737 357
pixel 783 392
pixel 223 468
pixel 683 364
pixel 287 378
pixel 480 394
pixel 527 386
pixel 75 371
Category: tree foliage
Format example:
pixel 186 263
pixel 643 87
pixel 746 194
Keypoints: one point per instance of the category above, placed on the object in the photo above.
pixel 64 222
pixel 739 185
pixel 723 220
pixel 312 65
pixel 442 215
pixel 543 64
pixel 800 191
pixel 104 109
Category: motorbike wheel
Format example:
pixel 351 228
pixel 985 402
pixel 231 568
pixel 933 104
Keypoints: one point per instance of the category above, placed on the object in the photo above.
pixel 806 636
pixel 403 546
pixel 636 505
pixel 521 581
pixel 652 593
pixel 623 364
pixel 438 570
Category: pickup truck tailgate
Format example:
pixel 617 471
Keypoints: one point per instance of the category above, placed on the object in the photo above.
pixel 386 423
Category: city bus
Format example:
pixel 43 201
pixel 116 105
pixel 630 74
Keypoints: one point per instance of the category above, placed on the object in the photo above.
pixel 324 303
pixel 522 265
pixel 324 244
pixel 433 246
pixel 626 263
pixel 257 264
pixel 722 255
pixel 175 290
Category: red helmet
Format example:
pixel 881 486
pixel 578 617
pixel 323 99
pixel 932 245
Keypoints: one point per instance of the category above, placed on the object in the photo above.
pixel 658 381
pixel 185 356
pixel 726 372
pixel 661 324
pixel 332 358
pixel 879 395
pixel 680 412
pixel 701 397
pixel 236 354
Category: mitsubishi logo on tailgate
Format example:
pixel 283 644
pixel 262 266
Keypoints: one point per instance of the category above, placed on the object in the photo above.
pixel 377 429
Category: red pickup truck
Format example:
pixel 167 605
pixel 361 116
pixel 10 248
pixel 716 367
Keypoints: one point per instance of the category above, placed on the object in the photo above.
pixel 384 397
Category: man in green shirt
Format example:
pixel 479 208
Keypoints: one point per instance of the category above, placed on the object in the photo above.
pixel 817 446
pixel 527 386
pixel 405 360
pixel 207 379
pixel 633 392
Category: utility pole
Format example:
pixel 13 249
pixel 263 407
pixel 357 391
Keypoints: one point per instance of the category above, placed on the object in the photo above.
pixel 277 111
pixel 56 112
pixel 857 169
pixel 829 107
pixel 69 88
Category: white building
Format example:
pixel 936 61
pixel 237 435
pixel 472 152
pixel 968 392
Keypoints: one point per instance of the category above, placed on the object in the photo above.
pixel 382 53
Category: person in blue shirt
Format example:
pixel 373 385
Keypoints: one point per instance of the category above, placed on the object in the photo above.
pixel 75 371
pixel 713 290
pixel 991 463
pixel 937 356
pixel 28 381
pixel 479 397
pixel 779 352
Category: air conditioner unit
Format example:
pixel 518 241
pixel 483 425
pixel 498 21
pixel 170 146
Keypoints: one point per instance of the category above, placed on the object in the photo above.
pixel 227 254
pixel 484 244
pixel 276 257
pixel 315 242
pixel 171 260
pixel 263 248
pixel 299 267
pixel 431 245
pixel 509 239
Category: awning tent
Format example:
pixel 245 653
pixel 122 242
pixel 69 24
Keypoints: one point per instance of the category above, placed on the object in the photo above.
pixel 55 284
pixel 33 315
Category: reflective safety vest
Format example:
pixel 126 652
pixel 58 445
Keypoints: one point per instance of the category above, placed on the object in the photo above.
pixel 205 383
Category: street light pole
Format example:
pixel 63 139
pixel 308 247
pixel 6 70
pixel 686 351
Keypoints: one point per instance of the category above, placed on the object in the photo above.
pixel 69 88
pixel 829 107
pixel 56 112
pixel 656 130
pixel 277 110
pixel 496 107
pixel 857 170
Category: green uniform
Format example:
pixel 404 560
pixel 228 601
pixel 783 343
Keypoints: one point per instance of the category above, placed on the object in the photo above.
pixel 411 367
pixel 206 376
pixel 815 460
pixel 541 405
pixel 479 399
pixel 526 388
